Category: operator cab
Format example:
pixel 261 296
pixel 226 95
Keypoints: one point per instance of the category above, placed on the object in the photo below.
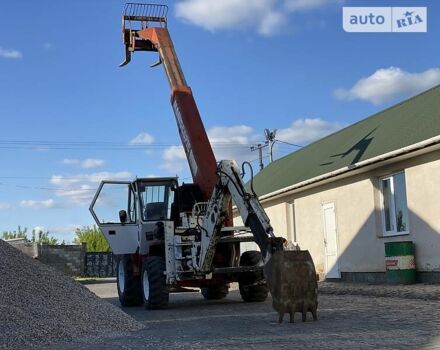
pixel 134 215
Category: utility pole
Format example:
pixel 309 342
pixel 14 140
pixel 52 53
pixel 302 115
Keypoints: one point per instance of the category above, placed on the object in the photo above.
pixel 260 147
pixel 270 138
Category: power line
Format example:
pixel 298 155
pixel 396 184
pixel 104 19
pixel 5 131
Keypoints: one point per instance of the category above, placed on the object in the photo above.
pixel 40 142
pixel 100 145
pixel 48 188
pixel 288 143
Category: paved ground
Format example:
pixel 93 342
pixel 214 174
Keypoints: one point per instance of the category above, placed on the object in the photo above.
pixel 413 291
pixel 345 322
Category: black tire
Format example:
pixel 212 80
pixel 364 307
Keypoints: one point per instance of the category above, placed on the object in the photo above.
pixel 129 286
pixel 252 285
pixel 155 293
pixel 215 292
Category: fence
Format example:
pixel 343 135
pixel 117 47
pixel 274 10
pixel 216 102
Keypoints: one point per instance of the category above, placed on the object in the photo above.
pixel 66 258
pixel 73 260
pixel 99 265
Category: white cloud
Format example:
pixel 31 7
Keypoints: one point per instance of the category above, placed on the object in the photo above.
pixel 174 153
pixel 5 206
pixel 267 17
pixel 40 148
pixel 92 163
pixel 174 159
pixel 272 23
pixel 304 131
pixel 38 229
pixel 10 53
pixel 80 189
pixel 234 142
pixel 223 14
pixel 90 178
pixel 70 161
pixel 65 230
pixel 80 195
pixel 387 84
pixel 34 204
pixel 302 5
pixel 86 163
pixel 231 134
pixel 143 138
pixel 227 142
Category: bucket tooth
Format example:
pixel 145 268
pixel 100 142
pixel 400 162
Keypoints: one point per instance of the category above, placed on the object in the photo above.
pixel 291 278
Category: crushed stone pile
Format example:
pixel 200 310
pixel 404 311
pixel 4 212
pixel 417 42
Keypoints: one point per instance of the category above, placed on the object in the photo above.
pixel 40 306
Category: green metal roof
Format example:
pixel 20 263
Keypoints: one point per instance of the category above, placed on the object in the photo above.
pixel 404 124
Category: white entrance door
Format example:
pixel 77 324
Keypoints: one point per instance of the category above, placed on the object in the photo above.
pixel 330 241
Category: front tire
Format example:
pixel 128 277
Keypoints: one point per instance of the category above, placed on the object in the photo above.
pixel 154 289
pixel 252 285
pixel 129 286
pixel 215 292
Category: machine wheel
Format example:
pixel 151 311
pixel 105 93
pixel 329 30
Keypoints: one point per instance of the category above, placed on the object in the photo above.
pixel 129 286
pixel 215 292
pixel 154 289
pixel 252 285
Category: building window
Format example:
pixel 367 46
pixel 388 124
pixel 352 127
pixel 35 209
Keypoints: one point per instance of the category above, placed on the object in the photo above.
pixel 394 205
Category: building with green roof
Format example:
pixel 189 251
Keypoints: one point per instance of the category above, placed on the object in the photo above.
pixel 376 181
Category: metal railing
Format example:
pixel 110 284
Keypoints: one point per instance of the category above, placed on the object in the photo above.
pixel 144 14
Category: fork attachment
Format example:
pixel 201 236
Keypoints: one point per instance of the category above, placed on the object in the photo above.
pixel 137 17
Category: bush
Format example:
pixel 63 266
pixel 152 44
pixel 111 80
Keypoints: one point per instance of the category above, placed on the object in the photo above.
pixel 93 237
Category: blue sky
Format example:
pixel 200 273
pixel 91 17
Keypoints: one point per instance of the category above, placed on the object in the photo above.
pixel 71 117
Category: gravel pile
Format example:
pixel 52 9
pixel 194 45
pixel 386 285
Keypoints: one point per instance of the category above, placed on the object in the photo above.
pixel 40 306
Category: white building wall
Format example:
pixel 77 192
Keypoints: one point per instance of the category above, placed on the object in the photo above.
pixel 358 216
pixel 423 194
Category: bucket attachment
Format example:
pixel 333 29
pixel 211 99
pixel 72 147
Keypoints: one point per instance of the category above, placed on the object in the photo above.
pixel 137 17
pixel 292 281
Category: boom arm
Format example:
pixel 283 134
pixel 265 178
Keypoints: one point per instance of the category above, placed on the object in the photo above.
pixel 195 141
pixel 230 184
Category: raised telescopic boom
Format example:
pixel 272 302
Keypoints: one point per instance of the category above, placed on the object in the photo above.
pixel 144 28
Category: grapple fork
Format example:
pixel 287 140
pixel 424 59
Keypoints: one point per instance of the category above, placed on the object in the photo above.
pixel 137 17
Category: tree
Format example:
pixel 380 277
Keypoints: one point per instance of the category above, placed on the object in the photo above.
pixel 93 237
pixel 38 236
pixel 43 238
pixel 19 233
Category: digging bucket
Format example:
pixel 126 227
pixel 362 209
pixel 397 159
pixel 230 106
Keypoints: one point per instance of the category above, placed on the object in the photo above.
pixel 292 281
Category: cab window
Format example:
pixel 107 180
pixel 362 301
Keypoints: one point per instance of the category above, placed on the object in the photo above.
pixel 112 198
pixel 155 201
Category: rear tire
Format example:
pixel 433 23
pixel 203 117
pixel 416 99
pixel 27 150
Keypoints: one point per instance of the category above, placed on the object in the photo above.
pixel 129 286
pixel 252 285
pixel 215 292
pixel 154 289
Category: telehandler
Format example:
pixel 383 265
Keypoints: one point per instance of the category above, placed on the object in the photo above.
pixel 171 236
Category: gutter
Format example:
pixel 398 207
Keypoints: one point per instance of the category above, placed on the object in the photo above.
pixel 393 154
